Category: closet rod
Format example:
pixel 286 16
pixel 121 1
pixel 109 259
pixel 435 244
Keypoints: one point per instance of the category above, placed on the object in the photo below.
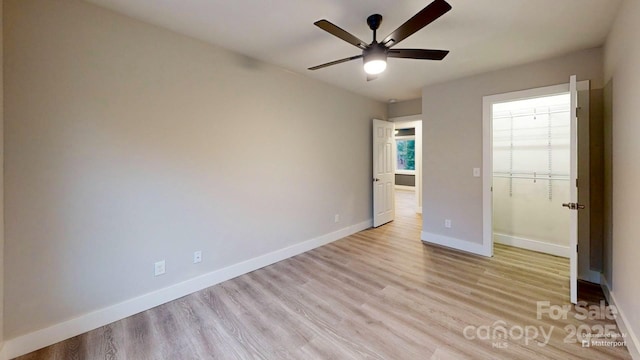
pixel 562 126
pixel 531 177
pixel 531 173
pixel 530 114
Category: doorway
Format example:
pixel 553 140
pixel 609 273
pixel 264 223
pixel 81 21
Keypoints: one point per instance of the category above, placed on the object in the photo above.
pixel 572 205
pixel 408 163
pixel 531 172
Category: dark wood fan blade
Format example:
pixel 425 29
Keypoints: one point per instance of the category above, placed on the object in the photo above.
pixel 417 22
pixel 335 62
pixel 340 33
pixel 418 54
pixel 371 77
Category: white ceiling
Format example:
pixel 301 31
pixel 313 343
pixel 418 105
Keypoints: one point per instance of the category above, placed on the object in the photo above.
pixel 481 35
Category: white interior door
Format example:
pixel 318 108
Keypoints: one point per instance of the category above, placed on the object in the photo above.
pixel 573 205
pixel 383 172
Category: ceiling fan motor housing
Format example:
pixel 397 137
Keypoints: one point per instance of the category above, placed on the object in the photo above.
pixel 375 58
pixel 375 51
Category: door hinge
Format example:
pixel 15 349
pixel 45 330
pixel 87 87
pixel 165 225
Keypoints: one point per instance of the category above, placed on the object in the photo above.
pixel 576 247
pixel 576 182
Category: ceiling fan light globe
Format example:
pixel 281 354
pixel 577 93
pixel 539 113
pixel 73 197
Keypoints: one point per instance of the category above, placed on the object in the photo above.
pixel 374 67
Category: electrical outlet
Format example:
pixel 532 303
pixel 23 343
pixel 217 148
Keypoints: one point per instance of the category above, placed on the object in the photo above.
pixel 336 218
pixel 197 256
pixel 159 267
pixel 447 223
pixel 476 172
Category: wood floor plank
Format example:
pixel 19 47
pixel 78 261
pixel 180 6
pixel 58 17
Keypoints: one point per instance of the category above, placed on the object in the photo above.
pixel 139 341
pixel 378 294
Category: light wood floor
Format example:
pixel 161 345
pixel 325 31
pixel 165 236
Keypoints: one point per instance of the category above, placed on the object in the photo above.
pixel 378 294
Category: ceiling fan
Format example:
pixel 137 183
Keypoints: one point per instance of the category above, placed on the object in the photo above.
pixel 375 54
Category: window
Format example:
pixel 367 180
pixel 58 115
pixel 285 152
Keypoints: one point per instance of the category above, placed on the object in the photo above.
pixel 406 154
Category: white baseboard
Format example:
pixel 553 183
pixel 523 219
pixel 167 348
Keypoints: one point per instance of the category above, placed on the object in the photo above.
pixel 633 345
pixel 44 337
pixel 454 243
pixel 529 244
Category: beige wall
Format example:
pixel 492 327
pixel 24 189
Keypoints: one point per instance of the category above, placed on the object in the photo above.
pixel 452 132
pixel 405 108
pixel 622 56
pixel 1 179
pixel 127 144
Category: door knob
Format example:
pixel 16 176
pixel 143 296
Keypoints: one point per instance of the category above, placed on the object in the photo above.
pixel 376 179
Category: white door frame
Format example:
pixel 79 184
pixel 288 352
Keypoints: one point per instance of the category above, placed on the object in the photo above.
pixel 487 151
pixel 414 121
pixel 487 148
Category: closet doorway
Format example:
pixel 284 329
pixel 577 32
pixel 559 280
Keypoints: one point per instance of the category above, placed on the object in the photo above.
pixel 531 173
pixel 533 156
